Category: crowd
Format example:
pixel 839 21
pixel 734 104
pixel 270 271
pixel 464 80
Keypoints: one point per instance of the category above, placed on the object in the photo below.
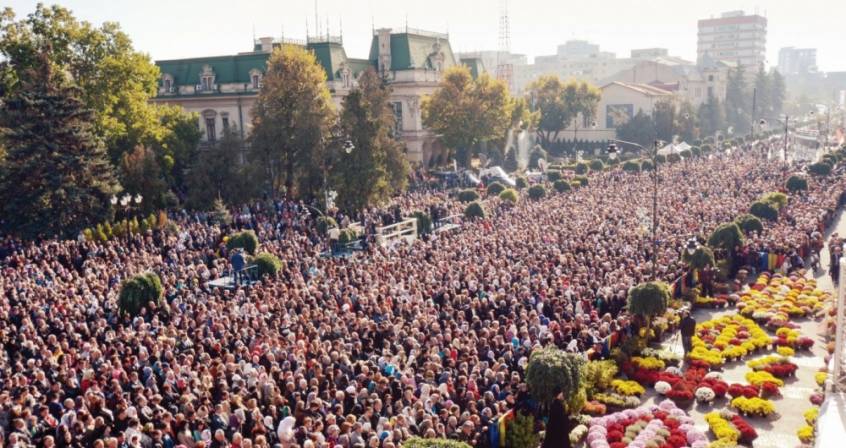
pixel 429 339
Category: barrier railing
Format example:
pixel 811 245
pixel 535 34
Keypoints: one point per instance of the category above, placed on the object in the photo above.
pixel 405 229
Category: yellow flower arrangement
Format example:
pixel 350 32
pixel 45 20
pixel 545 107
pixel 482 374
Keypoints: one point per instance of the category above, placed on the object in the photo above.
pixel 649 363
pixel 758 378
pixel 820 378
pixel 627 388
pixel 785 351
pixel 811 416
pixel 723 429
pixel 722 444
pixel 753 406
pixel 761 363
pixel 806 434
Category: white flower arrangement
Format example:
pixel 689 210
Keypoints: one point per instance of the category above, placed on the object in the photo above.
pixel 674 370
pixel 714 376
pixel 662 387
pixel 705 395
pixel 578 434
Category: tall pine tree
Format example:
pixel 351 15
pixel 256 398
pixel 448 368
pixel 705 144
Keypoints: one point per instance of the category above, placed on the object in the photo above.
pixel 56 178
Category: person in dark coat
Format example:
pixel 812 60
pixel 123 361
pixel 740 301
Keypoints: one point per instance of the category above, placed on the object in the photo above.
pixel 688 328
pixel 559 426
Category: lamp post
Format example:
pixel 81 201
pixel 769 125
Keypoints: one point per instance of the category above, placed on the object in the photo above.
pixel 337 140
pixel 653 155
pixel 126 203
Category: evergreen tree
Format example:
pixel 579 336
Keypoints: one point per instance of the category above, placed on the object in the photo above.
pixel 376 168
pixel 142 175
pixel 664 116
pixel 763 95
pixel 219 172
pixel 777 91
pixel 711 117
pixel 56 178
pixel 738 101
pixel 640 129
pixel 687 126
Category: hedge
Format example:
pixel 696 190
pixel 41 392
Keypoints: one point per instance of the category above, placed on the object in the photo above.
pixel 582 180
pixel 726 236
pixel 521 183
pixel 267 264
pixel 646 165
pixel 508 195
pixel 673 158
pixel 495 188
pixel 246 240
pixel 561 186
pixel 138 291
pixel 468 195
pixel 764 210
pixel 551 371
pixel 820 169
pixel 661 158
pixel 685 153
pixel 474 210
pixel 537 192
pixel 417 442
pixel 596 165
pixel 776 199
pixel 582 168
pixel 749 223
pixel 552 176
pixel 648 299
pixel 796 183
pixel 631 166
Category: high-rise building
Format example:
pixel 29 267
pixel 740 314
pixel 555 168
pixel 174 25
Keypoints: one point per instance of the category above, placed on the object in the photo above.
pixel 734 37
pixel 797 61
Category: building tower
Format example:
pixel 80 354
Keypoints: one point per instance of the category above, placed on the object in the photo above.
pixel 504 68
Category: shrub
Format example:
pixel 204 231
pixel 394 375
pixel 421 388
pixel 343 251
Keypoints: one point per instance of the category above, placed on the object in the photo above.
pixel 673 158
pixel 220 214
pixel 474 210
pixel 552 176
pixel 685 153
pixel 521 432
pixel 749 223
pixel 776 199
pixel 575 185
pixel 597 376
pixel 702 257
pixel 267 264
pixel 424 223
pixel 820 169
pixel 508 195
pixel 649 299
pixel 520 183
pixel 596 165
pixel 764 210
pixel 582 180
pixel 726 236
pixel 696 151
pixel 418 442
pixel 495 188
pixel 534 156
pixel 537 192
pixel 347 236
pixel 581 168
pixel 646 165
pixel 561 186
pixel 796 183
pixel 661 158
pixel 631 166
pixel 468 195
pixel 324 223
pixel 551 371
pixel 246 240
pixel 137 292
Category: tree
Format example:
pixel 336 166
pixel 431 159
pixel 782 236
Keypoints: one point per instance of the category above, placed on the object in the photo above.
pixel 138 292
pixel 552 371
pixel 581 99
pixel 246 240
pixel 726 236
pixel 465 112
pixel 474 210
pixel 537 192
pixel 664 116
pixel 777 93
pixel 377 168
pixel 819 169
pixel 687 126
pixel 796 183
pixel 521 432
pixel 180 143
pixel 749 223
pixel 764 210
pixel 737 106
pixel 142 175
pixel 267 264
pixel 711 117
pixel 640 129
pixel 547 99
pixel 775 198
pixel 56 178
pixel 701 258
pixel 291 121
pixel 218 173
pixel 763 95
pixel 648 300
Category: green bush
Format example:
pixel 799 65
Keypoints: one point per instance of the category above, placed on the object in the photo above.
pixel 521 183
pixel 582 180
pixel 246 240
pixel 686 153
pixel 631 166
pixel 749 223
pixel 649 299
pixel 424 223
pixel 696 151
pixel 820 169
pixel 509 195
pixel 726 236
pixel 537 154
pixel 468 195
pixel 137 292
pixel 703 256
pixel 776 199
pixel 661 158
pixel 597 376
pixel 575 185
pixel 220 214
pixel 796 183
pixel 551 370
pixel 267 264
pixel 495 188
pixel 596 165
pixel 673 158
pixel 764 210
pixel 646 165
pixel 582 168
pixel 537 192
pixel 324 223
pixel 418 442
pixel 561 186
pixel 474 210
pixel 552 176
pixel 347 236
pixel 521 432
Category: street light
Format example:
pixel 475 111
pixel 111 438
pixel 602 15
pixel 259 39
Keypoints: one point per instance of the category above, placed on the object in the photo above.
pixel 653 155
pixel 692 245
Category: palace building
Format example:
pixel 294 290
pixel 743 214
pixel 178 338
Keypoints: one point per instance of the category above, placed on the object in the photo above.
pixel 223 89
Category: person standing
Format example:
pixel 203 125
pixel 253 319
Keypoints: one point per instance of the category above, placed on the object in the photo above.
pixel 238 262
pixel 688 328
pixel 559 426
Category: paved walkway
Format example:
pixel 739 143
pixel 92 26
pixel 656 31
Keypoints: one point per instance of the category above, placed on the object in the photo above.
pixel 780 432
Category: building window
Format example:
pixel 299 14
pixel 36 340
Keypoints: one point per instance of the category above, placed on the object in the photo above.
pixel 397 108
pixel 168 85
pixel 207 83
pixel 255 81
pixel 211 134
pixel 710 78
pixel 224 118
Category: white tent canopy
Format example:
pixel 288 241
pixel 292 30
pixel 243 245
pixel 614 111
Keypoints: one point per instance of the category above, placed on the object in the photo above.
pixel 674 149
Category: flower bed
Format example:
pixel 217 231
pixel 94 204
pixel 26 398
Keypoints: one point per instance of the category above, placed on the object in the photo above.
pixel 774 300
pixel 727 338
pixel 628 388
pixel 618 401
pixel 777 366
pixel 753 407
pixel 664 425
pixel 696 383
pixel 730 428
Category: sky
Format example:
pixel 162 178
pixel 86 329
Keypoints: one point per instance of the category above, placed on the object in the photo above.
pixel 169 29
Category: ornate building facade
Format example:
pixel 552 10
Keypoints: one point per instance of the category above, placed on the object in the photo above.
pixel 223 89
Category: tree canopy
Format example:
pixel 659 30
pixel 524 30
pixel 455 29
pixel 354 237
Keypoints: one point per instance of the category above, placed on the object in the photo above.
pixel 557 104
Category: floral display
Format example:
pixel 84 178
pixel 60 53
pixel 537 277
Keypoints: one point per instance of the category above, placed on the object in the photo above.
pixel 705 395
pixel 662 387
pixel 727 338
pixel 743 390
pixel 649 363
pixel 778 366
pixel 730 428
pixel 820 378
pixel 774 300
pixel 817 398
pixel 761 377
pixel 628 388
pixel 811 415
pixel 785 351
pixel 617 400
pixel 664 425
pixel 711 302
pixel 753 407
pixel 594 408
pixel 578 434
pixel 806 434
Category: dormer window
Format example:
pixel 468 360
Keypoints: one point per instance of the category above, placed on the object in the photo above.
pixel 207 79
pixel 167 83
pixel 255 79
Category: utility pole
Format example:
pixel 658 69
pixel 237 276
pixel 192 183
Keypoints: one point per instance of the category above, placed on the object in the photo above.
pixel 754 104
pixel 655 212
pixel 786 130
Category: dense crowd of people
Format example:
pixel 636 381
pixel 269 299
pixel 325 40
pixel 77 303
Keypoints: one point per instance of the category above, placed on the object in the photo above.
pixel 428 339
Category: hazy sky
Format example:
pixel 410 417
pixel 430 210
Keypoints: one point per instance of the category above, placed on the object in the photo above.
pixel 185 28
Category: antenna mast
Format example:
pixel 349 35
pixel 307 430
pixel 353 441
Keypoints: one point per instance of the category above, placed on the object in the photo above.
pixel 504 69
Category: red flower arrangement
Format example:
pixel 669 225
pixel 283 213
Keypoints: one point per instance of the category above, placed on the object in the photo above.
pixel 743 390
pixel 747 432
pixel 594 408
pixel 669 378
pixel 804 343
pixel 677 441
pixel 782 369
pixel 619 445
pixel 769 389
pixel 719 387
pixel 817 399
pixel 698 364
